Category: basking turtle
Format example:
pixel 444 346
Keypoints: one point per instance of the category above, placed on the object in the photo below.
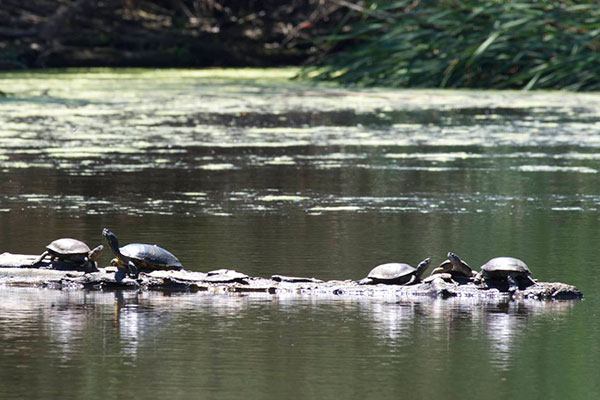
pixel 72 252
pixel 455 266
pixel 137 257
pixel 396 273
pixel 509 269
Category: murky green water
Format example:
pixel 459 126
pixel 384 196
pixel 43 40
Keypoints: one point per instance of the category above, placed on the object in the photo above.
pixel 248 170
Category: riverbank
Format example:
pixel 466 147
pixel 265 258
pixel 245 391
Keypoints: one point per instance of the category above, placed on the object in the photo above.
pixel 149 33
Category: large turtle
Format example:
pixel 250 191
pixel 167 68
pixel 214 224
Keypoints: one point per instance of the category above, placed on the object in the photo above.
pixel 72 252
pixel 454 266
pixel 137 257
pixel 396 273
pixel 507 269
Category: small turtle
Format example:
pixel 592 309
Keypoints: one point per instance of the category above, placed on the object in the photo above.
pixel 137 257
pixel 396 273
pixel 72 252
pixel 455 266
pixel 508 269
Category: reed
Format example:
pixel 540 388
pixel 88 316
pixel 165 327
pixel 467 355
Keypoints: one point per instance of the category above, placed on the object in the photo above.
pixel 464 44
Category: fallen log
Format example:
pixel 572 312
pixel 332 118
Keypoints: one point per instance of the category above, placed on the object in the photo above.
pixel 19 270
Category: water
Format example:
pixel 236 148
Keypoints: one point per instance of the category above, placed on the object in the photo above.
pixel 246 169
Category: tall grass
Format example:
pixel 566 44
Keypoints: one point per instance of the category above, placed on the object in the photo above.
pixel 462 43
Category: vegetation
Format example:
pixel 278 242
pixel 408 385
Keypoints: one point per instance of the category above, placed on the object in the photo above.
pixel 465 43
pixel 549 44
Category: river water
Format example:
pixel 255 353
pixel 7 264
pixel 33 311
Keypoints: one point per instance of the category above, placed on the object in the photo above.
pixel 247 169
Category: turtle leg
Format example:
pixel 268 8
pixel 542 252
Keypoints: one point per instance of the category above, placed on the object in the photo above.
pixel 513 285
pixel 480 280
pixel 133 271
pixel 413 279
pixel 529 280
pixel 41 257
pixel 86 264
pixel 90 265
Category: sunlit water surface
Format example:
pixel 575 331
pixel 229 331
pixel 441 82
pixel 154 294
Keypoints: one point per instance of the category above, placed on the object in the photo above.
pixel 246 169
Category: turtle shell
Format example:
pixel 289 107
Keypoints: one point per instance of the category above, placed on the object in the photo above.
pixel 68 246
pixel 391 271
pixel 150 256
pixel 502 266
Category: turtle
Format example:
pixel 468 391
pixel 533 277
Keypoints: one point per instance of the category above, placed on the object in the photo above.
pixel 396 273
pixel 137 257
pixel 72 252
pixel 509 269
pixel 455 266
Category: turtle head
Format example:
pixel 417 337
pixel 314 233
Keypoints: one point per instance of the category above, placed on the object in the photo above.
pixel 95 253
pixel 453 257
pixel 112 240
pixel 460 265
pixel 422 267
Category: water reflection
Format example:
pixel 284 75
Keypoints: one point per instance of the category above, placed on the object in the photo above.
pixel 392 321
pixel 507 323
pixel 131 324
pixel 209 340
pixel 63 316
pixel 503 330
pixel 502 325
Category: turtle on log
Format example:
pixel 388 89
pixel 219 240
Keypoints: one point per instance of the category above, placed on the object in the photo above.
pixel 506 269
pixel 454 266
pixel 136 257
pixel 71 253
pixel 396 273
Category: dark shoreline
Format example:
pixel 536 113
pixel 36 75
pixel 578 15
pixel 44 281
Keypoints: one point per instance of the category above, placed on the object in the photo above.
pixel 154 33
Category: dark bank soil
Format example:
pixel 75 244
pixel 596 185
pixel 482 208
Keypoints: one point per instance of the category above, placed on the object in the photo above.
pixel 161 33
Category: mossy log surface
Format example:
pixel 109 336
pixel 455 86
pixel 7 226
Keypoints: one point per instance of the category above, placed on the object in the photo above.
pixel 18 270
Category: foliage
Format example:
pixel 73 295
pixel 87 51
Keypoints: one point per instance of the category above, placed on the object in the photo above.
pixel 465 43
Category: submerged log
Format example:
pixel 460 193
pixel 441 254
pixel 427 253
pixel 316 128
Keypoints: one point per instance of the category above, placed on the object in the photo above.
pixel 22 273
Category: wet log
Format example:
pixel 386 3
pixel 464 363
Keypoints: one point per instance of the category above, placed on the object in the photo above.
pixel 22 273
